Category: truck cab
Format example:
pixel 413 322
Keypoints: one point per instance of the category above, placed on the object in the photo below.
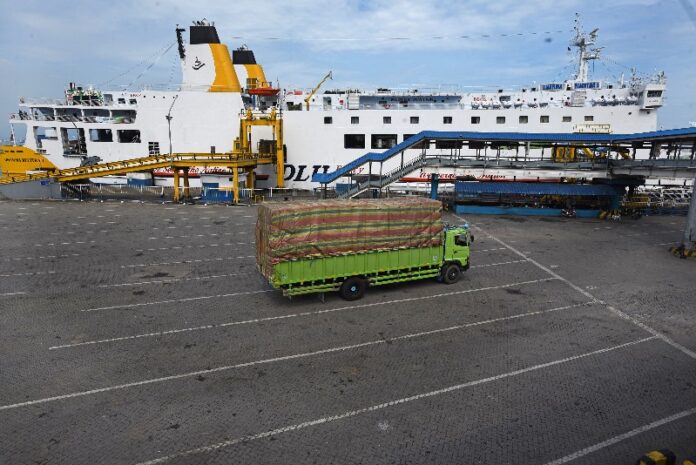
pixel 455 257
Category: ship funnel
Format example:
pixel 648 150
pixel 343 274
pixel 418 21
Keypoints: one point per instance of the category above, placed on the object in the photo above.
pixel 206 62
pixel 250 73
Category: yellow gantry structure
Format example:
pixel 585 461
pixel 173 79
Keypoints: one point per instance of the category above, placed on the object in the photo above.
pixel 242 157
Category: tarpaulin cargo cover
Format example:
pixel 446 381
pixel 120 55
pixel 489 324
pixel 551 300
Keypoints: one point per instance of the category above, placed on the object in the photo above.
pixel 324 228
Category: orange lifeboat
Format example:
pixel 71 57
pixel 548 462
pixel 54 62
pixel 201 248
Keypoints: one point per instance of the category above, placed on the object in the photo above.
pixel 264 91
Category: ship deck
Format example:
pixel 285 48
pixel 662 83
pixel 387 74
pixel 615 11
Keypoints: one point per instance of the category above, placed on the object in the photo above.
pixel 141 333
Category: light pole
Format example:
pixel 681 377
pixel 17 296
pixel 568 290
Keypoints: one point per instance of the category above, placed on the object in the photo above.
pixel 169 123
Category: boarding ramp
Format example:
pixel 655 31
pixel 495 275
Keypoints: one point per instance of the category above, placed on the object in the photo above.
pixel 606 156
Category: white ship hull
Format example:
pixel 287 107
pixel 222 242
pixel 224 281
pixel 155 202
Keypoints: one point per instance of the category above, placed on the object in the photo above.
pixel 324 134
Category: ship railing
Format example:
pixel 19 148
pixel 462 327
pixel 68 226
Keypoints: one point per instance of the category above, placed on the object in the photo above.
pixel 41 101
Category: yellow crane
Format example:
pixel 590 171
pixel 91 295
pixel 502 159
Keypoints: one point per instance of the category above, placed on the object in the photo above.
pixel 314 91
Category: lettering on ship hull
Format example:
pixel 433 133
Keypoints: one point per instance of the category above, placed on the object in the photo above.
pixel 300 173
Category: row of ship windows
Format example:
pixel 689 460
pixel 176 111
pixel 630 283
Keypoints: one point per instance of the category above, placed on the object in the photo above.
pixel 385 141
pixel 523 119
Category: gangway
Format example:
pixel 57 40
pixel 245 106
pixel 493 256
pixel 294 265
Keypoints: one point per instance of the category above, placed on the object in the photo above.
pixel 676 139
pixel 680 145
pixel 241 158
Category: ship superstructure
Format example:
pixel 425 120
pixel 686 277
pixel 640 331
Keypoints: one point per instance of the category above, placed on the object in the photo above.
pixel 322 131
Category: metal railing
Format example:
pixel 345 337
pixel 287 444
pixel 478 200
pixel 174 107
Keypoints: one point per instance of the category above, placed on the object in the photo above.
pixel 385 179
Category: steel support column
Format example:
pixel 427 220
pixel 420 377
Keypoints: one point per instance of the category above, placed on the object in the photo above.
pixel 690 232
pixel 235 183
pixel 434 184
pixel 176 184
pixel 187 191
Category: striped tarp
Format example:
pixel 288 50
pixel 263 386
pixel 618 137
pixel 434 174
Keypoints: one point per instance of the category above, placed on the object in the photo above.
pixel 313 229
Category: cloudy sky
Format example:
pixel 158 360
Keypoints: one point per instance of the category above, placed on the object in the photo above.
pixel 366 43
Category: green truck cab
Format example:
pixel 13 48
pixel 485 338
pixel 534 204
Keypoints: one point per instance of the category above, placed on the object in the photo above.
pixel 456 252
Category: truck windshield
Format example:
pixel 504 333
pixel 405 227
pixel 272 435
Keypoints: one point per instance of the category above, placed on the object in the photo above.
pixel 460 239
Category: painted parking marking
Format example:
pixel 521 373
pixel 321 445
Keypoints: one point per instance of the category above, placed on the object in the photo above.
pixel 295 356
pixel 499 264
pixel 173 301
pixel 183 262
pixel 621 437
pixel 40 257
pixel 489 250
pixel 28 273
pixel 188 236
pixel 172 280
pixel 314 313
pixel 53 244
pixel 690 353
pixel 392 403
pixel 10 294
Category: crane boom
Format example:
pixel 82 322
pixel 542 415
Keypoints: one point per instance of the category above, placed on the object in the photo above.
pixel 314 91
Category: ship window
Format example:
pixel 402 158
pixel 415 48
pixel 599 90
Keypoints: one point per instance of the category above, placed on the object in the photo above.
pixel 414 120
pixel 108 99
pixel 446 120
pixel 328 120
pixel 386 119
pixel 153 148
pixel 544 119
pixel 383 141
pixel 567 119
pixel 354 120
pixel 101 135
pixel 122 101
pixel 448 144
pixel 475 119
pixel 500 120
pixel 406 136
pixel 654 93
pixel 589 118
pixel 133 101
pixel 524 119
pixel 129 136
pixel 354 141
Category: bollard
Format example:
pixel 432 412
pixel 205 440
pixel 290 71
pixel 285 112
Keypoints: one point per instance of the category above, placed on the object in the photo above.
pixel 658 457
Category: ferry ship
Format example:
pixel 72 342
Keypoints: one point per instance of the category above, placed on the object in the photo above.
pixel 322 131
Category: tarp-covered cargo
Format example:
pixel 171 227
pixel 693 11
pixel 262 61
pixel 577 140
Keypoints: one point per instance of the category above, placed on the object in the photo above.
pixel 324 228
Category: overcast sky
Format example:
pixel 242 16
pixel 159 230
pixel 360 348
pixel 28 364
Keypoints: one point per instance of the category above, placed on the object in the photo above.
pixel 366 43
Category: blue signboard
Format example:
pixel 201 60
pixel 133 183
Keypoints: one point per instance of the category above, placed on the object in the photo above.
pixel 552 86
pixel 587 85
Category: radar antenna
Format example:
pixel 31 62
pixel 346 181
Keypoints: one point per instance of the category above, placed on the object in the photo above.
pixel 586 53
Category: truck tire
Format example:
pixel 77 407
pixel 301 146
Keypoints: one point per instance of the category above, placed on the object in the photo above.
pixel 353 288
pixel 451 273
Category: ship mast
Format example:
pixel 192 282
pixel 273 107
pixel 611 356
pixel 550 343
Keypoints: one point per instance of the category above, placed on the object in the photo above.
pixel 584 42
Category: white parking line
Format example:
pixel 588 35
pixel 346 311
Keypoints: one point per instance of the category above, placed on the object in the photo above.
pixel 181 262
pixel 201 246
pixel 40 257
pixel 489 250
pixel 9 294
pixel 267 361
pixel 172 301
pixel 373 408
pixel 53 244
pixel 498 264
pixel 28 273
pixel 621 437
pixel 690 353
pixel 313 313
pixel 172 280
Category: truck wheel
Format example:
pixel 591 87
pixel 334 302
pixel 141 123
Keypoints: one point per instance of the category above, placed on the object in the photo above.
pixel 451 273
pixel 353 288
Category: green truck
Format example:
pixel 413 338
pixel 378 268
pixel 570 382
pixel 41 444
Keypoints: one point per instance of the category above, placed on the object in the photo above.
pixel 349 245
